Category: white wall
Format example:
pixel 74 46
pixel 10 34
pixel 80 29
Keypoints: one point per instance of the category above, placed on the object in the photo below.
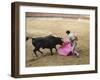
pixel 5 43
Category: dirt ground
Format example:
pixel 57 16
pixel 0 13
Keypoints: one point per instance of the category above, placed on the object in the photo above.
pixel 58 27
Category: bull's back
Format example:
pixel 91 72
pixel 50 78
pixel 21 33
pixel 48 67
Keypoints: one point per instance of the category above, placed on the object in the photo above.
pixel 44 42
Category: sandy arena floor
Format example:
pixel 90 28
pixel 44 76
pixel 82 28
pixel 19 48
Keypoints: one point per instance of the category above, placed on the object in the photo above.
pixel 57 27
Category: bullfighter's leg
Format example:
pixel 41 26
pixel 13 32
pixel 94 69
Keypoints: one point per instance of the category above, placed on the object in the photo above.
pixel 74 44
pixel 51 51
pixel 76 53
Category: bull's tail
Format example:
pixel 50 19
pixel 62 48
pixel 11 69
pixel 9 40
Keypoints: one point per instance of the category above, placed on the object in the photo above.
pixel 27 38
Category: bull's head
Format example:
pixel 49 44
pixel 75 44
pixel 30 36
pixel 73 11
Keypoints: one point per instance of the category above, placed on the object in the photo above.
pixel 59 40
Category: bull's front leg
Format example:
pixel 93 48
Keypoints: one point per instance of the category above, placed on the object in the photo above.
pixel 51 51
pixel 55 49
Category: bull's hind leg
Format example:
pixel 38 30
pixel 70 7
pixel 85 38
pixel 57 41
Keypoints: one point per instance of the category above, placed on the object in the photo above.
pixel 40 51
pixel 35 52
pixel 37 49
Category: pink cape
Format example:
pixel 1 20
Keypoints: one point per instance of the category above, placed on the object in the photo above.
pixel 65 49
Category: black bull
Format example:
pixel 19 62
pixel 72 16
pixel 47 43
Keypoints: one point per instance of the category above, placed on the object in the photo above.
pixel 49 42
